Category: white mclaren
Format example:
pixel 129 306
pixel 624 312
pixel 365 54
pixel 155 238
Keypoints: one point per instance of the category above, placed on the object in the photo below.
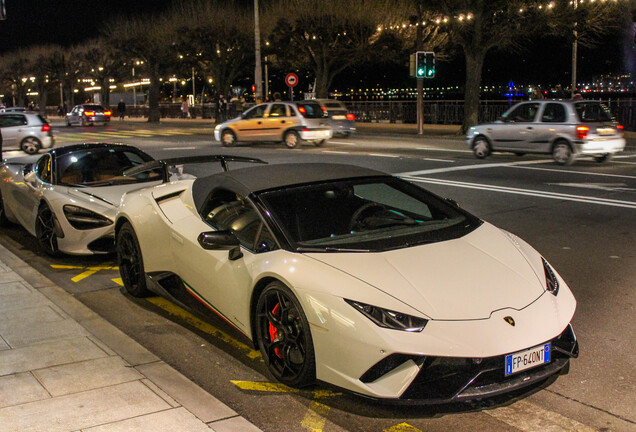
pixel 68 197
pixel 353 277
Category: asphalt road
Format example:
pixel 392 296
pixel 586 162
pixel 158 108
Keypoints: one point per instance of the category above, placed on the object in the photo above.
pixel 581 218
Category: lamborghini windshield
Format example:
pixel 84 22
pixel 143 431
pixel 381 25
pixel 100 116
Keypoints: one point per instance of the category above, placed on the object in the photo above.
pixel 102 166
pixel 370 214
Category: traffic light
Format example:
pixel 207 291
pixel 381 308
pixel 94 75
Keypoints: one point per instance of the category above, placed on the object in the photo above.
pixel 423 64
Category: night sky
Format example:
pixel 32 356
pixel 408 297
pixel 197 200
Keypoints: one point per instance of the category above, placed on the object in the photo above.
pixel 545 61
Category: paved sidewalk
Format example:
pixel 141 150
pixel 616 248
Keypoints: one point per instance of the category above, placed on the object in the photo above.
pixel 64 368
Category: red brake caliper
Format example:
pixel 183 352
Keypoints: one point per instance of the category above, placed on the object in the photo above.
pixel 273 331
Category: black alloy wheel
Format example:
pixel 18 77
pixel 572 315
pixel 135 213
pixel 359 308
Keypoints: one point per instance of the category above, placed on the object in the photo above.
pixel 130 262
pixel 46 230
pixel 284 338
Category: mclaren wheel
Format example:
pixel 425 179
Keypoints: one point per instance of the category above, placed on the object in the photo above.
pixel 291 139
pixel 130 262
pixel 481 147
pixel 30 145
pixel 228 138
pixel 562 153
pixel 283 336
pixel 46 230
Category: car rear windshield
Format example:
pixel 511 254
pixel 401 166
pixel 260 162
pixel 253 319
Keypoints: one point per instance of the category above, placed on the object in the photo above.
pixel 592 112
pixel 310 109
pixel 370 214
pixel 98 108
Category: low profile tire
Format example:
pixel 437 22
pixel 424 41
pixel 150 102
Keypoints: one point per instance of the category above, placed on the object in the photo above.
pixel 4 221
pixel 46 230
pixel 562 153
pixel 228 138
pixel 284 338
pixel 130 262
pixel 481 148
pixel 603 158
pixel 291 139
pixel 320 143
pixel 30 145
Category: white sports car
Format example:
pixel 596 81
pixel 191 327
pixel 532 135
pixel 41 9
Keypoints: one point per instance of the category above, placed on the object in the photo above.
pixel 68 197
pixel 353 277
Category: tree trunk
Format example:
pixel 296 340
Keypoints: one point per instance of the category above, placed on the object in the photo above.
pixel 105 92
pixel 154 115
pixel 474 66
pixel 322 84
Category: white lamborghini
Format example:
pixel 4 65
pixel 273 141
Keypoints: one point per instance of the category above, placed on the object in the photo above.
pixel 68 197
pixel 353 277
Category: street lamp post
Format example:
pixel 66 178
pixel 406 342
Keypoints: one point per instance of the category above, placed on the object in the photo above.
pixel 574 54
pixel 258 78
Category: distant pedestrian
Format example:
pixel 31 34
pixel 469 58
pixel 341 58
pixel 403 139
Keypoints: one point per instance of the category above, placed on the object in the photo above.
pixel 121 109
pixel 221 109
pixel 185 109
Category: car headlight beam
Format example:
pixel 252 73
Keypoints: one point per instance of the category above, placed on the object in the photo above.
pixel 389 319
pixel 551 281
pixel 84 219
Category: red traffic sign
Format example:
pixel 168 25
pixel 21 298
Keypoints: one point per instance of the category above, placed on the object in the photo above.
pixel 291 80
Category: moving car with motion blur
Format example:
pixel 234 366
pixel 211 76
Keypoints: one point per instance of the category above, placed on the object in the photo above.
pixel 289 122
pixel 88 115
pixel 67 198
pixel 564 129
pixel 353 277
pixel 342 121
pixel 26 131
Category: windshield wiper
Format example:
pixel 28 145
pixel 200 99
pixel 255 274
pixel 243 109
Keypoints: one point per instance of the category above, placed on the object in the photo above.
pixel 328 249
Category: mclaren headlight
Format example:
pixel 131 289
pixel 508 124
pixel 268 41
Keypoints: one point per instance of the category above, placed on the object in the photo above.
pixel 388 318
pixel 551 281
pixel 84 219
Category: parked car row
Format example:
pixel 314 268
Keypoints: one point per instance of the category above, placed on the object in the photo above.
pixel 336 273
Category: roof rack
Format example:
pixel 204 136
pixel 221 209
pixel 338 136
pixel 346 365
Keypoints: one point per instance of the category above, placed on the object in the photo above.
pixel 164 164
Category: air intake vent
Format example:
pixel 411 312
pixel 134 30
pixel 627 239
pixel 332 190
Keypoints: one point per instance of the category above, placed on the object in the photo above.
pixel 551 281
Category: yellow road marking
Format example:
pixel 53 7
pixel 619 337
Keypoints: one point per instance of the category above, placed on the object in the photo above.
pixel 91 270
pixel 315 417
pixel 175 310
pixel 402 427
pixel 118 281
pixel 264 386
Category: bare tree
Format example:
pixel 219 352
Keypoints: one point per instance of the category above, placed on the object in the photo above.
pixel 14 66
pixel 99 61
pixel 151 40
pixel 65 64
pixel 325 36
pixel 217 38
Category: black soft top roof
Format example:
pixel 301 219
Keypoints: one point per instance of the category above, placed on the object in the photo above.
pixel 246 181
pixel 87 146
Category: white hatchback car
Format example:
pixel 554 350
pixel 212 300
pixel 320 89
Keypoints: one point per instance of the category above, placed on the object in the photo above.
pixel 564 129
pixel 25 131
pixel 289 122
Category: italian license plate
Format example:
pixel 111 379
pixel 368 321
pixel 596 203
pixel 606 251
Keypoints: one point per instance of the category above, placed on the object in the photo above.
pixel 339 117
pixel 605 131
pixel 527 359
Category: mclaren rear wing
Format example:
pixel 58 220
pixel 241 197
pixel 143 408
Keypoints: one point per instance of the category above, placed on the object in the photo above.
pixel 165 164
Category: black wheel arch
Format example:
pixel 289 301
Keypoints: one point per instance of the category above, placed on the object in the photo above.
pixel 479 136
pixel 260 285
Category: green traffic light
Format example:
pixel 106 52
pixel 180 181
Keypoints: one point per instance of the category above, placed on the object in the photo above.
pixel 431 72
pixel 420 72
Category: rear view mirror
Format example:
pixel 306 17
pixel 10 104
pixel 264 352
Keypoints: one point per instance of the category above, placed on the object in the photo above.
pixel 221 240
pixel 27 169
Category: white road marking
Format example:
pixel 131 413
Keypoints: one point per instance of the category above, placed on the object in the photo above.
pixel 572 172
pixel 179 148
pixel 527 192
pixel 529 417
pixel 384 155
pixel 342 143
pixel 336 152
pixel 439 160
pixel 443 150
pixel 472 167
pixel 623 162
pixel 612 187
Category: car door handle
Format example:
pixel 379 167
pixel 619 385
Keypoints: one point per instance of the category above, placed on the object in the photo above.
pixel 282 121
pixel 259 122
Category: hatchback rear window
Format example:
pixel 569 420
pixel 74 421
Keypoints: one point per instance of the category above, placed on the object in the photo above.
pixel 310 110
pixel 592 112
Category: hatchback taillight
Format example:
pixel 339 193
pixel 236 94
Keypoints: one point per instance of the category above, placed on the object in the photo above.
pixel 89 113
pixel 620 127
pixel 581 132
pixel 107 113
pixel 46 128
pixel 351 117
